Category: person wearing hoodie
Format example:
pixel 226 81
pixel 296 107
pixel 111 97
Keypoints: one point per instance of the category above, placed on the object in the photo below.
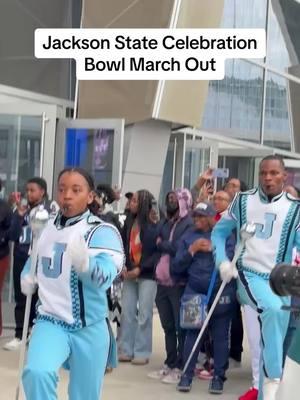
pixel 195 260
pixel 169 291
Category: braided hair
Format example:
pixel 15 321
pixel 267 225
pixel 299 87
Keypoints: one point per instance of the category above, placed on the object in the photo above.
pixel 145 199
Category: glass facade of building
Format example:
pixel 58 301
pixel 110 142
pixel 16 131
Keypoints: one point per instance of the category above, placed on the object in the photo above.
pixel 253 101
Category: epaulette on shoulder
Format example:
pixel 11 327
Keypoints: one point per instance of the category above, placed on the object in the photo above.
pixel 292 198
pixel 94 220
pixel 249 192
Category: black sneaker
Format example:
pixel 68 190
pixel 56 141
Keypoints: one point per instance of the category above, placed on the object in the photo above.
pixel 216 385
pixel 185 384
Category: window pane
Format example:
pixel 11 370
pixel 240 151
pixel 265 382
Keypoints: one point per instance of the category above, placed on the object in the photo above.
pixel 277 131
pixel 234 105
pixel 284 34
pixel 244 14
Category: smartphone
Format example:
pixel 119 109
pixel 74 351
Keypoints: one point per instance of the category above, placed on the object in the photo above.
pixel 24 202
pixel 220 173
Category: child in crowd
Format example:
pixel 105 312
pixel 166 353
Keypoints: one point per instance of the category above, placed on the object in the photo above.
pixel 194 260
pixel 20 234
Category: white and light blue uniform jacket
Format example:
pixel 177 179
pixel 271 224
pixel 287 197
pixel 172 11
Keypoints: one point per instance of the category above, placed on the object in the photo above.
pixel 67 298
pixel 277 230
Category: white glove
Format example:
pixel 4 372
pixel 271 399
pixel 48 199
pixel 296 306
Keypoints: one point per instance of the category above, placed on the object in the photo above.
pixel 28 284
pixel 77 250
pixel 228 271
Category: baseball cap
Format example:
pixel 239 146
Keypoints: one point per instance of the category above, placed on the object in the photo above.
pixel 205 209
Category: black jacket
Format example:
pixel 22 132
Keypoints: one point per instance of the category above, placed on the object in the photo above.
pixel 20 233
pixel 150 255
pixel 170 247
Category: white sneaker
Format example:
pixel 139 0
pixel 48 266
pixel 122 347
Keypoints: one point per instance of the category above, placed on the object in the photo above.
pixel 270 388
pixel 160 374
pixel 173 377
pixel 13 345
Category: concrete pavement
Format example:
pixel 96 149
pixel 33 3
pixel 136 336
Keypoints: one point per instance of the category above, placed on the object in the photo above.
pixel 130 382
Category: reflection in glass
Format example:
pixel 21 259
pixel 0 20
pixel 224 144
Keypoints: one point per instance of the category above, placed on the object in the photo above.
pixel 283 34
pixel 277 130
pixel 277 54
pixel 244 14
pixel 196 162
pixel 91 149
pixel 234 105
pixel 167 177
pixel 20 141
pixel 20 147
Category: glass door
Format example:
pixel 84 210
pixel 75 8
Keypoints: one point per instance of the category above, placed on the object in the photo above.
pixel 199 155
pixel 27 138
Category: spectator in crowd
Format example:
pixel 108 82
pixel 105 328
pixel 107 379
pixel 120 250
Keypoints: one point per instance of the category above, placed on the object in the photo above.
pixel 194 258
pixel 233 186
pixel 139 288
pixel 5 221
pixel 169 290
pixel 221 201
pixel 128 196
pixel 104 197
pixel 20 234
pixel 204 187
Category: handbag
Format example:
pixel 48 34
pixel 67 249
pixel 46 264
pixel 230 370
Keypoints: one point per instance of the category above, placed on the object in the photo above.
pixel 193 307
pixel 162 271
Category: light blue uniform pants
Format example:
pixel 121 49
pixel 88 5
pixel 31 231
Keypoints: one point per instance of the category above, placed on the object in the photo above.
pixel 85 351
pixel 255 291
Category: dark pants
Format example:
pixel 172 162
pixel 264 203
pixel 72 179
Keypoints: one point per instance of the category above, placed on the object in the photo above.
pixel 4 266
pixel 218 328
pixel 237 334
pixel 168 305
pixel 20 299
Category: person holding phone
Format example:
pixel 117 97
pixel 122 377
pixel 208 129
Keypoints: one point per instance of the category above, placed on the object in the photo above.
pixel 203 189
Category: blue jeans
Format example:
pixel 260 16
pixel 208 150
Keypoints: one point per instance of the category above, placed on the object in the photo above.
pixel 135 338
